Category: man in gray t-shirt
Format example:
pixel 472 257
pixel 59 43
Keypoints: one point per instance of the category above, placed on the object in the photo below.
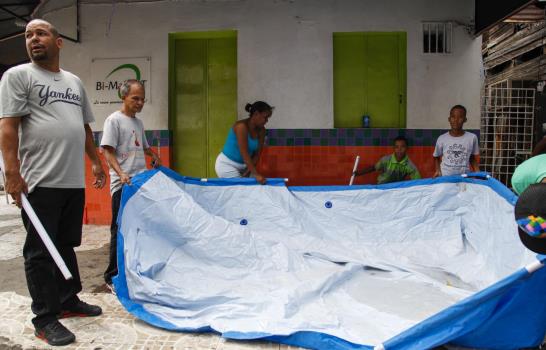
pixel 124 144
pixel 456 150
pixel 44 131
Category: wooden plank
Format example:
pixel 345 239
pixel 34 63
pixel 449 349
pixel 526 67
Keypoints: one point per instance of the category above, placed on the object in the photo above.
pixel 524 45
pixel 530 70
pixel 531 13
pixel 513 55
pixel 504 32
pixel 528 31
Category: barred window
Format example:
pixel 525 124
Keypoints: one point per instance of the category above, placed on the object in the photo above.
pixel 437 37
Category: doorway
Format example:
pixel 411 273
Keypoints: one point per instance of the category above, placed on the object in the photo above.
pixel 202 98
pixel 370 79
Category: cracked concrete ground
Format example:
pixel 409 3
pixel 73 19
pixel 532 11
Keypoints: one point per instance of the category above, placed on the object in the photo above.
pixel 115 329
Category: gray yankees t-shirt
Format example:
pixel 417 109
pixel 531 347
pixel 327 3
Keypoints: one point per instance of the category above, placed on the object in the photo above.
pixel 126 135
pixel 53 107
pixel 456 152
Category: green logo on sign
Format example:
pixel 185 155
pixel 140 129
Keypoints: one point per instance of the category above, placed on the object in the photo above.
pixel 127 66
pixel 130 66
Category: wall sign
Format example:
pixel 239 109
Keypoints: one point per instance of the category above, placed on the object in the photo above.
pixel 108 75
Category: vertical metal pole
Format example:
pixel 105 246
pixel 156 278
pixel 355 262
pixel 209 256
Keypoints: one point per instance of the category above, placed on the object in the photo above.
pixel 429 31
pixel 436 37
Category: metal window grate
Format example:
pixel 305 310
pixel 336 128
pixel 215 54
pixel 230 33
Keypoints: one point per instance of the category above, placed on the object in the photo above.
pixel 437 37
pixel 506 131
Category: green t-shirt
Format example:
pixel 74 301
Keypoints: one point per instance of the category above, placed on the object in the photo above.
pixel 393 171
pixel 532 171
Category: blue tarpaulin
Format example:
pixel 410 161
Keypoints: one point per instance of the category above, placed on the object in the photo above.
pixel 409 265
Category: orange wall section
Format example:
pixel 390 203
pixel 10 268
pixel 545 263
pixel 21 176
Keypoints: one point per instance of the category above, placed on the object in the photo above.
pixel 98 209
pixel 333 165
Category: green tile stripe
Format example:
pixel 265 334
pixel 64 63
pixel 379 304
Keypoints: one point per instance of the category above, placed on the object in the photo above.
pixel 352 136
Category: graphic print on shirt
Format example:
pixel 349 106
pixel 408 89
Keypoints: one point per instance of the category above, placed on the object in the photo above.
pixel 456 155
pixel 46 94
pixel 131 151
pixel 136 139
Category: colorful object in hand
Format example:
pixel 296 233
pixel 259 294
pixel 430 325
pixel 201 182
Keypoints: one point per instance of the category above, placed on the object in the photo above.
pixel 533 225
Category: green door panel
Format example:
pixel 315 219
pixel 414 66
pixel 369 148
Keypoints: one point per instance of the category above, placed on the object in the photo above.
pixel 190 129
pixel 222 96
pixel 350 87
pixel 383 95
pixel 370 78
pixel 202 98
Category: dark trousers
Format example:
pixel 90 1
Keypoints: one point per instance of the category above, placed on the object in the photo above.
pixel 112 269
pixel 61 212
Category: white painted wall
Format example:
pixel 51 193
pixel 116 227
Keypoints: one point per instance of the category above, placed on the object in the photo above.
pixel 285 52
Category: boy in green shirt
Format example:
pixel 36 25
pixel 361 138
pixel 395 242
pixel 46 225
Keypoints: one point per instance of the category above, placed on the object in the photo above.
pixel 394 167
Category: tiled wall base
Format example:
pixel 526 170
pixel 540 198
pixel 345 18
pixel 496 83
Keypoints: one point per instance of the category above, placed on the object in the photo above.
pixel 333 165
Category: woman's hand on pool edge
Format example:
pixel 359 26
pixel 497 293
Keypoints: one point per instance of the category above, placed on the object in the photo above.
pixel 260 178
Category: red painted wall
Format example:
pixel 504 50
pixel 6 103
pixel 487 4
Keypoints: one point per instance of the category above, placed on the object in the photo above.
pixel 333 165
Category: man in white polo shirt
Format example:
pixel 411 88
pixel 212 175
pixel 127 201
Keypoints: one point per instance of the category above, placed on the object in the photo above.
pixel 124 144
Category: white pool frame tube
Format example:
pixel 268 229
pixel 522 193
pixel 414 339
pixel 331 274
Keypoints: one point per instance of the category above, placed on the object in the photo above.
pixel 43 233
pixel 357 159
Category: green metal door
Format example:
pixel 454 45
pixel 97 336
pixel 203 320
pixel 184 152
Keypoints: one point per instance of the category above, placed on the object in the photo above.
pixel 202 98
pixel 370 78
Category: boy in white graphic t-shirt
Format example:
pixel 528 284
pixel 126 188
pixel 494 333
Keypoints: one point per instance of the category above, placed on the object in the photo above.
pixel 457 150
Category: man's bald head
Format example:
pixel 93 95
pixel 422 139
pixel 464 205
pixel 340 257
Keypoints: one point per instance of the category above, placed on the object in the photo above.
pixel 44 23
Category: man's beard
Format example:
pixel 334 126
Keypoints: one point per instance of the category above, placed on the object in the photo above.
pixel 41 56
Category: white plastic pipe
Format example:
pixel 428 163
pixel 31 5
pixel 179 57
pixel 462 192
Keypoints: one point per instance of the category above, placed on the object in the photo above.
pixel 532 267
pixel 354 170
pixel 43 233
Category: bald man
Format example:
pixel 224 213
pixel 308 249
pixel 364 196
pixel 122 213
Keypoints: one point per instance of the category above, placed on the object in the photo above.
pixel 45 160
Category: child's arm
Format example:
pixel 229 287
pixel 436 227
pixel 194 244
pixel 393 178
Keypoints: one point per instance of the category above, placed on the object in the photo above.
pixel 474 165
pixel 414 173
pixel 379 166
pixel 473 160
pixel 438 152
pixel 438 170
pixel 365 170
